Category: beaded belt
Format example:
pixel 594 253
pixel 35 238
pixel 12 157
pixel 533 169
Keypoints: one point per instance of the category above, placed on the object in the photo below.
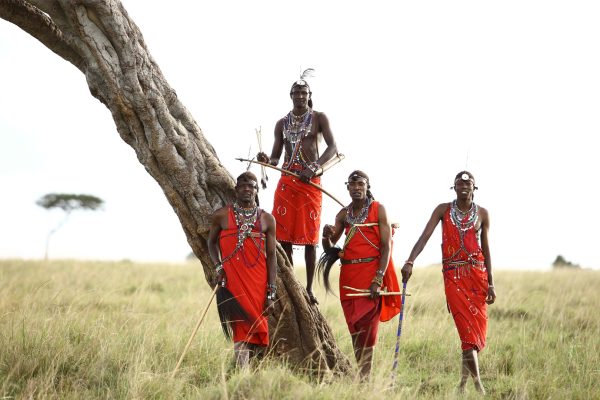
pixel 459 264
pixel 295 167
pixel 357 260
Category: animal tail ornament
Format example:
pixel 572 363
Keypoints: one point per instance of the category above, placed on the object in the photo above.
pixel 229 310
pixel 326 261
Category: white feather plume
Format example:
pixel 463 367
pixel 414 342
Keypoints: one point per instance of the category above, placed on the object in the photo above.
pixel 308 73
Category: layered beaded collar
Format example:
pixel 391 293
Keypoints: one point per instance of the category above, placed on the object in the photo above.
pixel 361 217
pixel 464 220
pixel 245 218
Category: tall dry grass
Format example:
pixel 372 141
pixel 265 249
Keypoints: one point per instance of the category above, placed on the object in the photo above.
pixel 87 330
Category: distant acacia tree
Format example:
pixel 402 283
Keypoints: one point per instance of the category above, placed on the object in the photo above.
pixel 68 203
pixel 561 262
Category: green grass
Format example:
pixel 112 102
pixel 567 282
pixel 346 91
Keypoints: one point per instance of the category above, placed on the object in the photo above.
pixel 87 330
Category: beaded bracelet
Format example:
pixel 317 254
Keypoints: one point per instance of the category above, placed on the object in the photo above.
pixel 378 280
pixel 380 273
pixel 409 262
pixel 218 267
pixel 314 167
pixel 271 291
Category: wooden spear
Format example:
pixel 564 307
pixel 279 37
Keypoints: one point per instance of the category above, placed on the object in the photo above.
pixel 400 318
pixel 187 346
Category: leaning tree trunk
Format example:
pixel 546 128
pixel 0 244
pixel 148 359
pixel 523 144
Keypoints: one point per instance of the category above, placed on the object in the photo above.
pixel 99 38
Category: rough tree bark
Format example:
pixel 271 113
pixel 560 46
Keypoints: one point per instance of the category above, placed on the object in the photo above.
pixel 99 39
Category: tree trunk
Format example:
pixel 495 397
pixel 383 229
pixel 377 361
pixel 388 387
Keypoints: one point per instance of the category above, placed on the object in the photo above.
pixel 99 38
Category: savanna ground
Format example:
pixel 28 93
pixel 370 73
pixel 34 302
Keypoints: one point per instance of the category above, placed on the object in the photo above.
pixel 86 330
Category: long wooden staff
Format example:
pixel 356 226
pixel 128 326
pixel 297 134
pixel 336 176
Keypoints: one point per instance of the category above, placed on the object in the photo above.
pixel 398 333
pixel 187 346
pixel 292 174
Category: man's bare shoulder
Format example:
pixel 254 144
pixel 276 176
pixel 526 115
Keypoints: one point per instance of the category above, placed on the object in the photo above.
pixel 320 115
pixel 219 217
pixel 279 124
pixel 341 215
pixel 268 216
pixel 483 211
pixel 441 208
pixel 220 212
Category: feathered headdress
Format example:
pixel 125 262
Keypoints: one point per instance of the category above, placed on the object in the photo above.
pixel 307 73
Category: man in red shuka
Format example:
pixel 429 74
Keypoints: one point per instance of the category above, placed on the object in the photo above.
pixel 297 205
pixel 366 264
pixel 467 269
pixel 241 244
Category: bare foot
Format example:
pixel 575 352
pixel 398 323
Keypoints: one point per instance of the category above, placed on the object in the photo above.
pixel 461 386
pixel 478 386
pixel 311 297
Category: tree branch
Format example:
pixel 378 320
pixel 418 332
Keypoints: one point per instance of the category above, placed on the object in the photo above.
pixel 39 25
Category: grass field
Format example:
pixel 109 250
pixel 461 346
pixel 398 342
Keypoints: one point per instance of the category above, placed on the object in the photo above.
pixel 87 330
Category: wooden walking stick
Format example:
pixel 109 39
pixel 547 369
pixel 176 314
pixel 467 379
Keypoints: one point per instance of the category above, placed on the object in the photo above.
pixel 187 346
pixel 398 333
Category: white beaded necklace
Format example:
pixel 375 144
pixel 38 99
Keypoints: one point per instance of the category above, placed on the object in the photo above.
pixel 362 215
pixel 464 220
pixel 245 219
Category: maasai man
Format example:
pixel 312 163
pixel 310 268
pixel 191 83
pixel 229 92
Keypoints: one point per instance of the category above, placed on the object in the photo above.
pixel 297 205
pixel 366 264
pixel 467 269
pixel 241 244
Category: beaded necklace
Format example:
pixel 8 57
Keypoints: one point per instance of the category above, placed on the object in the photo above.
pixel 464 220
pixel 245 219
pixel 351 219
pixel 295 128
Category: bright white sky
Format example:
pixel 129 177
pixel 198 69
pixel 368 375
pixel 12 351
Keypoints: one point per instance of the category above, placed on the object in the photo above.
pixel 415 91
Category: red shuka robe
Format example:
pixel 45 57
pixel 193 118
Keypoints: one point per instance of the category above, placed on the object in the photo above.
pixel 246 275
pixel 465 283
pixel 297 210
pixel 363 314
